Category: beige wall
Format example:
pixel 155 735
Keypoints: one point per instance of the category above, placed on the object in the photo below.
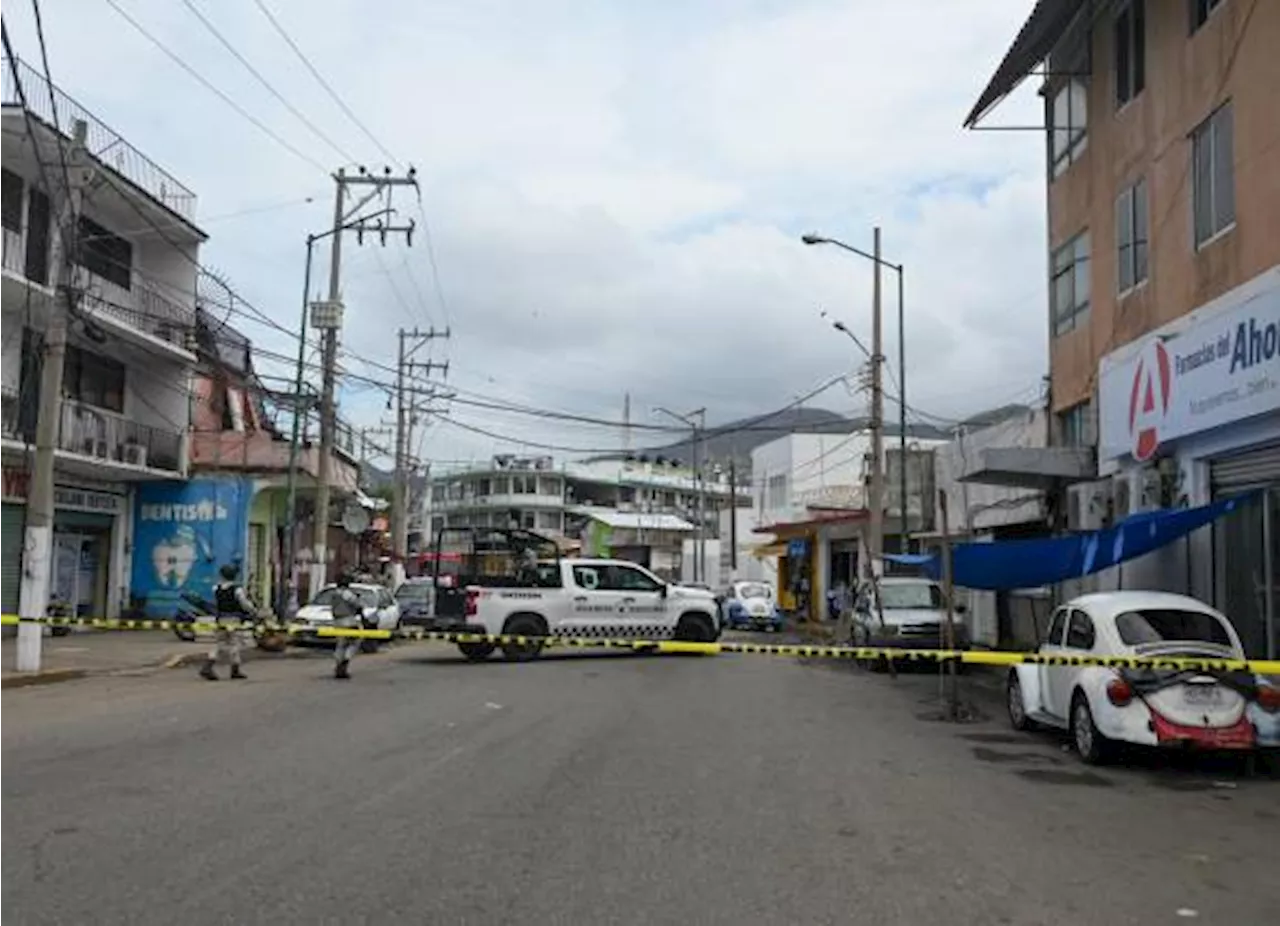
pixel 1187 78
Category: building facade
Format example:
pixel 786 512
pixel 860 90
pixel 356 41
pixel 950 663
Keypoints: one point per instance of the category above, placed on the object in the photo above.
pixel 1164 253
pixel 130 282
pixel 633 509
pixel 810 493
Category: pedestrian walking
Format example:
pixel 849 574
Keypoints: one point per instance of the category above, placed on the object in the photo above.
pixel 232 605
pixel 348 613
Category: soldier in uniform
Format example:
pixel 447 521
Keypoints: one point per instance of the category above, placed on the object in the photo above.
pixel 347 612
pixel 232 605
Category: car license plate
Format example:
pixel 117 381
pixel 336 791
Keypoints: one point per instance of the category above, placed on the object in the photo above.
pixel 1200 695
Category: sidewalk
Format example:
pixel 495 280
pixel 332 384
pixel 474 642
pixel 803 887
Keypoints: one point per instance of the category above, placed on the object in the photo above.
pixel 96 652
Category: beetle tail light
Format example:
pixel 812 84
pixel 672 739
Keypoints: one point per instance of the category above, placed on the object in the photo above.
pixel 1119 692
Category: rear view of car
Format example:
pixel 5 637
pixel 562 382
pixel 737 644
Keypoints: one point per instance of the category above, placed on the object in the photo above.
pixel 750 606
pixel 416 600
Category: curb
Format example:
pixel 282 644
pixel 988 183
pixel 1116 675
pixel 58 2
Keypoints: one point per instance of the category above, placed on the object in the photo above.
pixel 44 677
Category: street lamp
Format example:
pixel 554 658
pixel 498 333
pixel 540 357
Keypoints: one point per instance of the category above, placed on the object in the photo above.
pixel 812 239
pixel 696 420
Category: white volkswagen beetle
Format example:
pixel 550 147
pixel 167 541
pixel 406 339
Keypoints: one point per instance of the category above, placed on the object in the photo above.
pixel 1154 707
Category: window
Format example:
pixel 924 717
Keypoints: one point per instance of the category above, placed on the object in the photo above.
pixel 1201 10
pixel 1055 629
pixel 93 379
pixel 1080 633
pixel 528 520
pixel 587 577
pixel 1213 195
pixel 1130 51
pixel 1068 124
pixel 628 579
pixel 1131 237
pixel 105 254
pixel 1075 425
pixel 11 200
pixel 549 485
pixel 776 492
pixel 1069 286
pixel 911 596
pixel 1152 625
pixel 437 493
pixel 482 488
pixel 39 225
pixel 524 485
pixel 549 520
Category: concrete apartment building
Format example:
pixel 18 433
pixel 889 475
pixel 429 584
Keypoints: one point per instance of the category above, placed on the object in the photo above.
pixel 123 412
pixel 1163 193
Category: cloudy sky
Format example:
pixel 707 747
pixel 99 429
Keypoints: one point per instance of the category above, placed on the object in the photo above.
pixel 615 191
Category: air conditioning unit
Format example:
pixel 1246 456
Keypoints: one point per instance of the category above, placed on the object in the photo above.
pixel 134 454
pixel 95 448
pixel 1088 506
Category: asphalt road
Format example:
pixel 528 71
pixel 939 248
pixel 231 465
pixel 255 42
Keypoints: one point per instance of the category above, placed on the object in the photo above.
pixel 596 789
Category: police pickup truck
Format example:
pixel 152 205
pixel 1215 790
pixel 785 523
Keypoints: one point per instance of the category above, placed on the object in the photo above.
pixel 598 598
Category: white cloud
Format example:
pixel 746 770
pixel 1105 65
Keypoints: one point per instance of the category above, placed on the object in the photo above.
pixel 617 191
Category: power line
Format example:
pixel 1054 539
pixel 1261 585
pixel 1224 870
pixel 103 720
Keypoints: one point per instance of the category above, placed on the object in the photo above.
pixel 275 23
pixel 226 43
pixel 203 81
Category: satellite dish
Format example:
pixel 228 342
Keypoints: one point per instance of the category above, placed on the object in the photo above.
pixel 355 520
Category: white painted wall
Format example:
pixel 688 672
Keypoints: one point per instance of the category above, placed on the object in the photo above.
pixel 819 469
pixel 983 507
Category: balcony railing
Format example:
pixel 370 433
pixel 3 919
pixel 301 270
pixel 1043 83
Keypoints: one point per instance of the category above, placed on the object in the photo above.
pixel 102 142
pixel 143 308
pixel 95 432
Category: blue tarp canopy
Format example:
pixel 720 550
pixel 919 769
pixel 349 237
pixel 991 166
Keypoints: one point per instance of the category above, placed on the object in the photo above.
pixel 1011 564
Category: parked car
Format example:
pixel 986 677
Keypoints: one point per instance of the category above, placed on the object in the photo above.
pixel 415 598
pixel 749 605
pixel 380 612
pixel 911 614
pixel 1102 707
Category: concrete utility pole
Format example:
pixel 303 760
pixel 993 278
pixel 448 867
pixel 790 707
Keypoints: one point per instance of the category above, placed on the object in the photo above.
pixel 696 421
pixel 33 597
pixel 327 316
pixel 405 367
pixel 877 415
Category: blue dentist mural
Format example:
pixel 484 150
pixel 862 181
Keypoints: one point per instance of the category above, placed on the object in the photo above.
pixel 184 532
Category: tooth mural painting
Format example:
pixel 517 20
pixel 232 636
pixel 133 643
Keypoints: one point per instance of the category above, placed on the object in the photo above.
pixel 183 533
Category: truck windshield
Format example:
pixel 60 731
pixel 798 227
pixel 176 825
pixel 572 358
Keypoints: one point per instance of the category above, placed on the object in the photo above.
pixel 922 595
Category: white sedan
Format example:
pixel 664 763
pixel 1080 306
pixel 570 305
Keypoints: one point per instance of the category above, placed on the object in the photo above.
pixel 381 611
pixel 1151 707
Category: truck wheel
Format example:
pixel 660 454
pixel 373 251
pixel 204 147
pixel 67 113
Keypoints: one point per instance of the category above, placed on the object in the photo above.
pixel 523 625
pixel 695 628
pixel 476 652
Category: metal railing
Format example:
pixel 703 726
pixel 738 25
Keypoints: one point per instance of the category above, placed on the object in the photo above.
pixel 143 308
pixel 95 432
pixel 103 143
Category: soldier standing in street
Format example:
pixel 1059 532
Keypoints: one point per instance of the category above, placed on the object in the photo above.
pixel 347 612
pixel 231 604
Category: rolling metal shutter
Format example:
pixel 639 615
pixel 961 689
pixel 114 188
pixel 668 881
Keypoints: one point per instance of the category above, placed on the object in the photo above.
pixel 12 539
pixel 1257 467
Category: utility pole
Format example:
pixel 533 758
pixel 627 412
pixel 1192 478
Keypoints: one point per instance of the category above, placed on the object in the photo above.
pixel 327 316
pixel 733 515
pixel 38 558
pixel 877 417
pixel 406 366
pixel 696 421
pixel 365 433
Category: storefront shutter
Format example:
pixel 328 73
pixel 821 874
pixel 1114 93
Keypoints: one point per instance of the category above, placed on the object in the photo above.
pixel 1257 467
pixel 12 538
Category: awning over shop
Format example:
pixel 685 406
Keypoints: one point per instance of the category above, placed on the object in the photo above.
pixel 1012 564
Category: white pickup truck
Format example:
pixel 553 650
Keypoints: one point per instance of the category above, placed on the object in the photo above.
pixel 586 598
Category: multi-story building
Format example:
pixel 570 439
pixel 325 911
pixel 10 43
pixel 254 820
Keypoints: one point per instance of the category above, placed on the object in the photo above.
pixel 234 506
pixel 810 491
pixel 123 411
pixel 634 509
pixel 1164 255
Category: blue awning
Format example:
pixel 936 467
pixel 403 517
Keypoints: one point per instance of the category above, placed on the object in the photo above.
pixel 1011 564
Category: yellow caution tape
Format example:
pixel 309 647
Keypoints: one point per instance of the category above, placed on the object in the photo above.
pixel 800 650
